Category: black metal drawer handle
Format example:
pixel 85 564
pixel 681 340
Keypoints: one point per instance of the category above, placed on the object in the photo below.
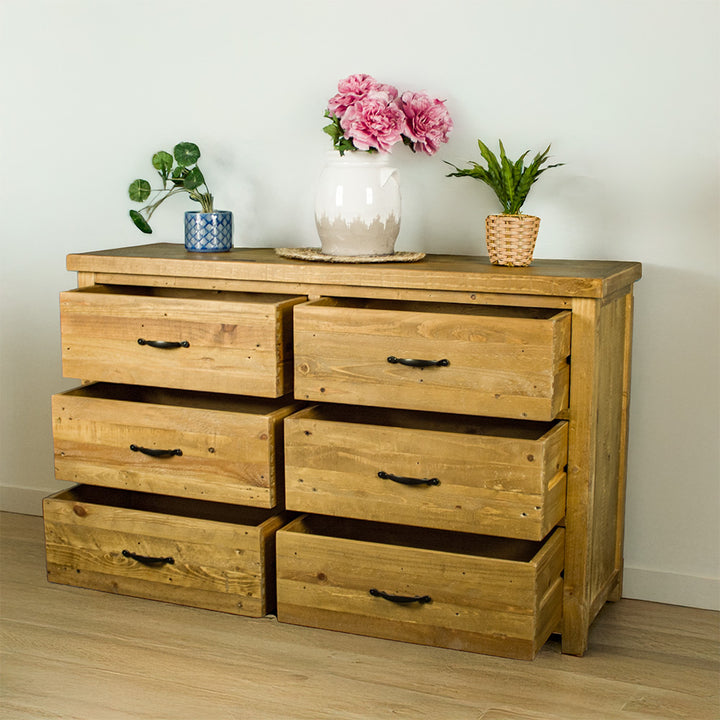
pixel 163 344
pixel 155 453
pixel 145 560
pixel 411 362
pixel 422 599
pixel 408 480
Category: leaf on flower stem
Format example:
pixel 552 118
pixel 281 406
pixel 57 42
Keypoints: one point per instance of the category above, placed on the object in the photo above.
pixel 332 131
pixel 186 153
pixel 140 222
pixel 139 190
pixel 407 141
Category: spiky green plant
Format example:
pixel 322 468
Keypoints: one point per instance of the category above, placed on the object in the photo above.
pixel 511 181
pixel 184 177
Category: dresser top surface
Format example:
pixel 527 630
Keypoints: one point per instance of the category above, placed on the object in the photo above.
pixel 569 278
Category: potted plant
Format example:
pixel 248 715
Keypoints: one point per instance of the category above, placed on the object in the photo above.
pixel 510 236
pixel 207 231
pixel 357 208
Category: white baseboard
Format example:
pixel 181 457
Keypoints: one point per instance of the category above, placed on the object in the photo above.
pixel 671 588
pixel 638 583
pixel 26 501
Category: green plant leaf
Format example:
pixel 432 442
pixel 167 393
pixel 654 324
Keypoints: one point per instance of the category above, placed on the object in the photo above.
pixel 193 179
pixel 507 175
pixel 178 175
pixel 511 181
pixel 332 131
pixel 491 160
pixel 140 222
pixel 139 190
pixel 186 153
pixel 519 167
pixel 162 161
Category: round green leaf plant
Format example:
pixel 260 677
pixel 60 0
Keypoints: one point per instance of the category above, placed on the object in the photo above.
pixel 179 173
pixel 510 180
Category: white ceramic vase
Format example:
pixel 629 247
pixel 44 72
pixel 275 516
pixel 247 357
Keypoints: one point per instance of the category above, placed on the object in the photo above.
pixel 357 206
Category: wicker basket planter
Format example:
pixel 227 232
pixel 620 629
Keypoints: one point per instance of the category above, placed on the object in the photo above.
pixel 511 238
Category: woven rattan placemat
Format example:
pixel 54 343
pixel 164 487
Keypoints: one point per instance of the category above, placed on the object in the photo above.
pixel 316 255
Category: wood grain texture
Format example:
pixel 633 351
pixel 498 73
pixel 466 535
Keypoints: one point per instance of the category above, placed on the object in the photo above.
pixel 208 563
pixel 570 278
pixel 483 597
pixel 596 461
pixel 502 362
pixel 230 445
pixel 71 653
pixel 492 477
pixel 237 342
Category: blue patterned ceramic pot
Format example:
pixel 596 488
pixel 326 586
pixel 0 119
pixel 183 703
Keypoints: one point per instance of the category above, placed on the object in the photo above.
pixel 208 232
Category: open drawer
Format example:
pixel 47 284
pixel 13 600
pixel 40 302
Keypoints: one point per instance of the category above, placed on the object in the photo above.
pixel 453 472
pixel 467 592
pixel 225 448
pixel 207 555
pixel 218 341
pixel 478 360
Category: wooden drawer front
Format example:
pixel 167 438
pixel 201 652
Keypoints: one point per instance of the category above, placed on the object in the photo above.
pixel 490 595
pixel 220 558
pixel 501 362
pixel 230 342
pixel 482 476
pixel 198 445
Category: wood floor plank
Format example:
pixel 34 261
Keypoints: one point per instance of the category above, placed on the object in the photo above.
pixel 72 653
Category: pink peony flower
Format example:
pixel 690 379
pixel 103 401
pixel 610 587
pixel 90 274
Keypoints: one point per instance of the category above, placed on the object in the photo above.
pixel 428 121
pixel 375 121
pixel 355 88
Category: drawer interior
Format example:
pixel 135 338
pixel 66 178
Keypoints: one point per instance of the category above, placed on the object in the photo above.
pixel 218 402
pixel 497 311
pixel 485 546
pixel 166 505
pixel 420 420
pixel 185 294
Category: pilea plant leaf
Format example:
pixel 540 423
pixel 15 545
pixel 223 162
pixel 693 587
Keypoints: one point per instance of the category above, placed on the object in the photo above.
pixel 139 190
pixel 193 179
pixel 186 153
pixel 178 175
pixel 163 161
pixel 184 176
pixel 140 222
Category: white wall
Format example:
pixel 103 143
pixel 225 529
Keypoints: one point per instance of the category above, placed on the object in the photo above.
pixel 626 90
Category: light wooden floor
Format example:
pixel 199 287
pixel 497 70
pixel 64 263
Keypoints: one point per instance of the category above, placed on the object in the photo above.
pixel 79 654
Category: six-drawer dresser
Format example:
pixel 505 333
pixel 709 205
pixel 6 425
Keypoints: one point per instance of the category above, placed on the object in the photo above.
pixel 432 452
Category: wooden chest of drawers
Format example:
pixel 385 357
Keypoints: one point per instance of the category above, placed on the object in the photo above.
pixel 453 434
